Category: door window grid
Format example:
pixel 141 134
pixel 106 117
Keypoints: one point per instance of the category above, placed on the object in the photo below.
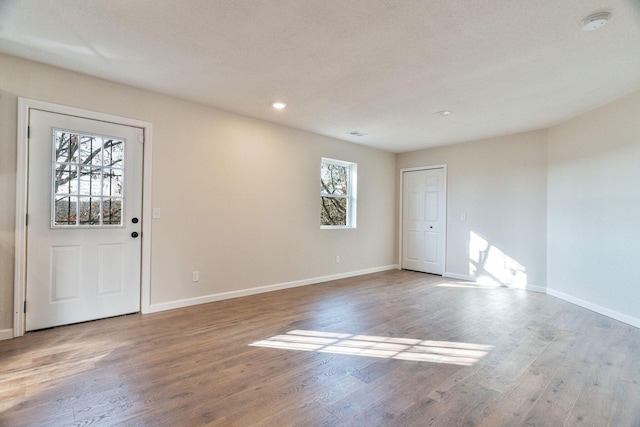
pixel 88 180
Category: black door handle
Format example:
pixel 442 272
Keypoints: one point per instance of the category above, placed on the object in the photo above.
pixel 134 220
pixel 134 234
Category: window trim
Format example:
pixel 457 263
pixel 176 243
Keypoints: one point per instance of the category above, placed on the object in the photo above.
pixel 352 188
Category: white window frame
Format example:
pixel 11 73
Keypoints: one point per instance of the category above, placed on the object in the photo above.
pixel 352 186
pixel 100 196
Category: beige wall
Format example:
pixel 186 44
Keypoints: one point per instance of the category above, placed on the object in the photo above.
pixel 239 196
pixel 500 185
pixel 564 203
pixel 594 209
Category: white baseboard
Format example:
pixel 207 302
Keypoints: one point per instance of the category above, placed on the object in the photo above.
pixel 534 288
pixel 6 334
pixel 528 287
pixel 459 276
pixel 262 289
pixel 630 320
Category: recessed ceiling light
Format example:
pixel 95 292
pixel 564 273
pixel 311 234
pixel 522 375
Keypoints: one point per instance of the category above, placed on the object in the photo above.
pixel 443 113
pixel 595 21
pixel 357 133
pixel 278 105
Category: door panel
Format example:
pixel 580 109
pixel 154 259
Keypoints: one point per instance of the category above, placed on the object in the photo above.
pixel 423 220
pixel 84 189
pixel 413 213
pixel 413 245
pixel 432 180
pixel 431 206
pixel 65 273
pixel 431 247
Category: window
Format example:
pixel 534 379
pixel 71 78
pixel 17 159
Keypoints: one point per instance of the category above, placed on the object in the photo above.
pixel 337 194
pixel 88 179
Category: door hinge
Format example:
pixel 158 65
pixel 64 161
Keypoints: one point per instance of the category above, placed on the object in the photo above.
pixel 28 132
pixel 26 219
pixel 25 306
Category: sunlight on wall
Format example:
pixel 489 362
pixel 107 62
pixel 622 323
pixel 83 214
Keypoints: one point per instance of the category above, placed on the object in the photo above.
pixel 455 353
pixel 489 265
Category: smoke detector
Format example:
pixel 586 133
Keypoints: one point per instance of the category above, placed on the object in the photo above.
pixel 595 21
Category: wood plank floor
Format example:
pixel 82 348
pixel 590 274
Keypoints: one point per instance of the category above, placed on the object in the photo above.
pixel 445 355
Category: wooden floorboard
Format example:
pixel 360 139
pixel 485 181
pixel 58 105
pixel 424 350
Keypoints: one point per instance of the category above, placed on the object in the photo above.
pixel 478 357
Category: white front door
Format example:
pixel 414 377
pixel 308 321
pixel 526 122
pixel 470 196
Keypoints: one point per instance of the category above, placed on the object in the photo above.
pixel 423 220
pixel 84 223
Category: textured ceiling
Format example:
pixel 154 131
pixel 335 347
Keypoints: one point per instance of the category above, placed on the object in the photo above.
pixel 382 67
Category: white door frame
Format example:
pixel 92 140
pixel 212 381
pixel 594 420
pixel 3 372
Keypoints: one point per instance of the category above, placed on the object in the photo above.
pixel 400 217
pixel 24 106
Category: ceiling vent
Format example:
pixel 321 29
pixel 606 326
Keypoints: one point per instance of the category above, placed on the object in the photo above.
pixel 357 133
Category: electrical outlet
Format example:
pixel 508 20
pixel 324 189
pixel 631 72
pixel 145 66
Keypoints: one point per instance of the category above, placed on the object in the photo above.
pixel 337 259
pixel 195 276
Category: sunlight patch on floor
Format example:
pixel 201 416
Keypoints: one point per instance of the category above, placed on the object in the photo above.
pixel 455 353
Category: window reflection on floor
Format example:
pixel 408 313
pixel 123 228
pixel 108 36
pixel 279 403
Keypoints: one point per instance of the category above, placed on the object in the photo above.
pixel 456 353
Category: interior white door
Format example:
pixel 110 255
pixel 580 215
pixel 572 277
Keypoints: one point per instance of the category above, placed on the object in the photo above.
pixel 423 220
pixel 84 220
